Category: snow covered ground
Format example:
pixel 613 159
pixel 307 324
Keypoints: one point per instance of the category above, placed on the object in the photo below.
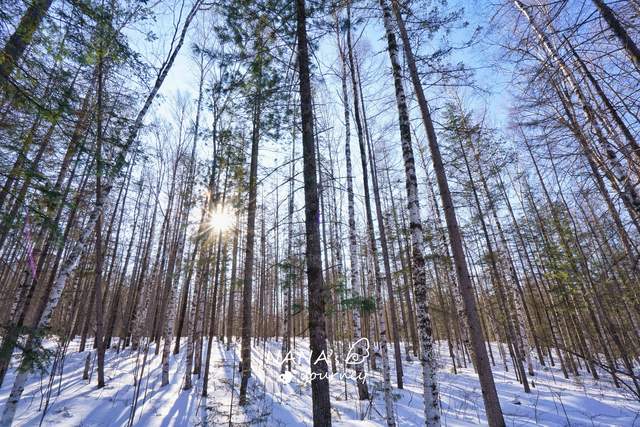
pixel 553 402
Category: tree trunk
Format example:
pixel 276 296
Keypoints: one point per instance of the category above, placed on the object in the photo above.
pixel 363 391
pixel 21 38
pixel 97 289
pixel 618 29
pixel 247 292
pixel 317 291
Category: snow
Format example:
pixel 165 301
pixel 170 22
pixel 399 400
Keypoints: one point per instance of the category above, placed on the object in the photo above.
pixel 554 401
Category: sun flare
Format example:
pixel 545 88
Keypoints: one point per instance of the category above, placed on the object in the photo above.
pixel 221 219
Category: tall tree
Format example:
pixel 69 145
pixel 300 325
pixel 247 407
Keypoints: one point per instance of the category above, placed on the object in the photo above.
pixel 315 282
pixel 354 272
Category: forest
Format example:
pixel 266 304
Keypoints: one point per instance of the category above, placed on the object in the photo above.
pixel 319 212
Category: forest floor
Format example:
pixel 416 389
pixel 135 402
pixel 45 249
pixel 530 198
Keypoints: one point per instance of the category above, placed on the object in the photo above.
pixel 553 401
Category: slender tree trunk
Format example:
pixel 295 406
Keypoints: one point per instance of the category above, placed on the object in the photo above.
pixel 99 334
pixel 233 281
pixel 363 391
pixel 289 282
pixel 247 292
pixel 621 33
pixel 317 291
